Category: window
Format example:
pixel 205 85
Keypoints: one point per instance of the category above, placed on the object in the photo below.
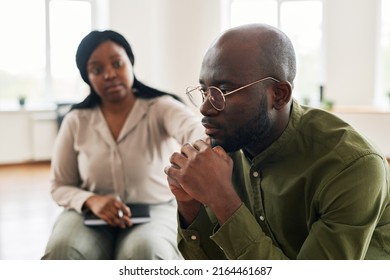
pixel 301 20
pixel 65 35
pixel 385 50
pixel 251 11
pixel 22 56
pixel 37 60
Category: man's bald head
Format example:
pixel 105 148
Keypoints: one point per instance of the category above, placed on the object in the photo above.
pixel 268 47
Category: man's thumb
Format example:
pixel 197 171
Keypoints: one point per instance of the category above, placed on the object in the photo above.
pixel 221 152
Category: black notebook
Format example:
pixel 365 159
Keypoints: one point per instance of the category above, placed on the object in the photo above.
pixel 139 214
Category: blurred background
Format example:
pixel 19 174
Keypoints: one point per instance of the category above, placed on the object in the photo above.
pixel 343 57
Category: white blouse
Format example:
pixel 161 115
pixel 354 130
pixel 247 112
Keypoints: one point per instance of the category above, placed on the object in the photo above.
pixel 87 159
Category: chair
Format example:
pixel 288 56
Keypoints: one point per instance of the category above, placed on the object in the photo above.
pixel 61 110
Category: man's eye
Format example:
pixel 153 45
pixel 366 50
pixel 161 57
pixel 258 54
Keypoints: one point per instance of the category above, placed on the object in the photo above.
pixel 224 91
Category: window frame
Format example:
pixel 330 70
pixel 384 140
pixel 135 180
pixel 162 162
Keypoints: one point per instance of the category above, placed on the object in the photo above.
pixel 99 20
pixel 49 93
pixel 315 98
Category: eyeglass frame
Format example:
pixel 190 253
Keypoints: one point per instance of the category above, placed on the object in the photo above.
pixel 206 96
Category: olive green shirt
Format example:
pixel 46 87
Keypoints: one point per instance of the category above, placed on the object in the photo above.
pixel 321 191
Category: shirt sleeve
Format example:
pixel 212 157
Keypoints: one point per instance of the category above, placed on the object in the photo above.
pixel 180 121
pixel 239 238
pixel 250 242
pixel 65 178
pixel 194 242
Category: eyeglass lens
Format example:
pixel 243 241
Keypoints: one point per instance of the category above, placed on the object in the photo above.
pixel 216 98
pixel 213 94
pixel 195 95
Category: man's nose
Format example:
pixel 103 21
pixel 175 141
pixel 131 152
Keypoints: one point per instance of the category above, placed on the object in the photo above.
pixel 206 109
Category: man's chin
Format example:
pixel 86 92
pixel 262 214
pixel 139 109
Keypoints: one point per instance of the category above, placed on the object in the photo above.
pixel 228 148
pixel 214 142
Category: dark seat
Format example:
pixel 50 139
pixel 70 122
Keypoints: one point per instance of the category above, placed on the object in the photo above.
pixel 61 110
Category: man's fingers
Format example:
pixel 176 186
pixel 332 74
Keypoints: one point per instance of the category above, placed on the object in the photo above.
pixel 200 145
pixel 173 184
pixel 176 159
pixel 187 149
pixel 221 152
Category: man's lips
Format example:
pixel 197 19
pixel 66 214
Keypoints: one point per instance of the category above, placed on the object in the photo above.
pixel 209 128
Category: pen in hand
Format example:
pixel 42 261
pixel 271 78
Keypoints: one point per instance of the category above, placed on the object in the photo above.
pixel 124 217
pixel 120 212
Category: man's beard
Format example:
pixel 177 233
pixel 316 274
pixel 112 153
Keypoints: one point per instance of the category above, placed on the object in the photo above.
pixel 254 131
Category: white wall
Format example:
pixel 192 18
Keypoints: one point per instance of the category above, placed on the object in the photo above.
pixel 351 43
pixel 168 37
pixel 27 135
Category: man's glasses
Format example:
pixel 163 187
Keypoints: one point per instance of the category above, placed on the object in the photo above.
pixel 215 95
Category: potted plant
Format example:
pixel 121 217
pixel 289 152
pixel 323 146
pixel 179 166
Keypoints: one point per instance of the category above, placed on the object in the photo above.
pixel 22 100
pixel 327 104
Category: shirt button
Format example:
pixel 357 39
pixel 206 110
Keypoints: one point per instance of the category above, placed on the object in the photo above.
pixel 255 174
pixel 193 237
pixel 262 218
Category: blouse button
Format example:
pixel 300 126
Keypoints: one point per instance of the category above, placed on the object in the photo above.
pixel 193 237
pixel 255 174
pixel 262 218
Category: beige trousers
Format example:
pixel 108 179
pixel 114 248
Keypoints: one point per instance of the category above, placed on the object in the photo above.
pixel 71 239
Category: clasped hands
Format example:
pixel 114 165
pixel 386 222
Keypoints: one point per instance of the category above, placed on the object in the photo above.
pixel 200 174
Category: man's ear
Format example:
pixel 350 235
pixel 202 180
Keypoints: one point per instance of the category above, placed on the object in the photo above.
pixel 282 94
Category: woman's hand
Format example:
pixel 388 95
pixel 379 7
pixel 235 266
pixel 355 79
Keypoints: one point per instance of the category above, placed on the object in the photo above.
pixel 109 209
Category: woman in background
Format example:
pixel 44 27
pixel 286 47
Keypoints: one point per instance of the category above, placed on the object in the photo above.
pixel 111 150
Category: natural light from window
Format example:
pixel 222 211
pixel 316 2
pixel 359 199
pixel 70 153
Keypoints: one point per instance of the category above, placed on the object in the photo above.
pixel 302 22
pixel 37 64
pixel 385 47
pixel 22 56
pixel 253 11
pixel 65 35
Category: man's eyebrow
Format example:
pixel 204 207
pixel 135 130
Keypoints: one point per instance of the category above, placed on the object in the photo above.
pixel 219 82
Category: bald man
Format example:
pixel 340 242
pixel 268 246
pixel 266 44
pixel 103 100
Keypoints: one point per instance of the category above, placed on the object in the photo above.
pixel 276 180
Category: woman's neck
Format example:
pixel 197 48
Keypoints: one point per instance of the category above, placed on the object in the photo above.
pixel 116 114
